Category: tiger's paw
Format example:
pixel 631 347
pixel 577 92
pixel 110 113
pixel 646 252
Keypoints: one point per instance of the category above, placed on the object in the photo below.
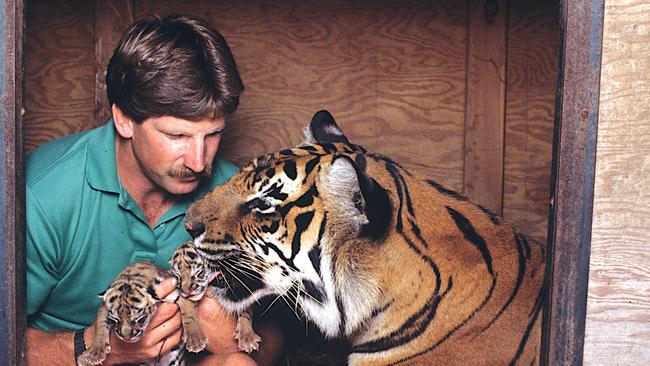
pixel 195 341
pixel 93 356
pixel 248 340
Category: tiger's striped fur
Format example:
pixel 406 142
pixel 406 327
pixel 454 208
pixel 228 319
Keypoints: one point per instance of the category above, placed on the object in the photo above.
pixel 127 307
pixel 409 272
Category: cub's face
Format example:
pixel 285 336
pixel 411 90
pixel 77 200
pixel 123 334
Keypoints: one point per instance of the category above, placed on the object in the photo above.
pixel 262 228
pixel 191 271
pixel 129 311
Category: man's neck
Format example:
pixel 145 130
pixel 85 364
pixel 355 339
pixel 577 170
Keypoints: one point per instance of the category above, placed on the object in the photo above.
pixel 152 200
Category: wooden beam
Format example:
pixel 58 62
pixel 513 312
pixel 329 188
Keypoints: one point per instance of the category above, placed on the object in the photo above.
pixel 572 186
pixel 485 112
pixel 12 219
pixel 112 19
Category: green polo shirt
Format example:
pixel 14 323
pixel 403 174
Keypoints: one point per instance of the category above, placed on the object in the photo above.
pixel 83 228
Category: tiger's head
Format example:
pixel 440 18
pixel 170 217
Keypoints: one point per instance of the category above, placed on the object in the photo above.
pixel 292 224
pixel 129 309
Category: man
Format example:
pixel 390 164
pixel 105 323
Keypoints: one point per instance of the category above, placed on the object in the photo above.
pixel 102 199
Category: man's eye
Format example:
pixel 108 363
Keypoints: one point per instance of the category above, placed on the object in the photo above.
pixel 174 136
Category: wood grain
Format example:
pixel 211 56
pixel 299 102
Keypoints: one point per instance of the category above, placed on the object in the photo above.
pixel 112 19
pixel 530 101
pixel 618 311
pixel 485 111
pixel 59 72
pixel 391 73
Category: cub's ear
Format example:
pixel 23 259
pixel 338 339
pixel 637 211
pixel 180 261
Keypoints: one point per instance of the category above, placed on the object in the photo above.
pixel 359 195
pixel 323 129
pixel 101 294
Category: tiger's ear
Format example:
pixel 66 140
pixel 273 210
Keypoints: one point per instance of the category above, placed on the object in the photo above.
pixel 323 129
pixel 360 196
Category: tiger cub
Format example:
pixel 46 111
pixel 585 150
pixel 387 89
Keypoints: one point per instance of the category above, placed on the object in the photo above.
pixel 407 271
pixel 127 307
pixel 194 278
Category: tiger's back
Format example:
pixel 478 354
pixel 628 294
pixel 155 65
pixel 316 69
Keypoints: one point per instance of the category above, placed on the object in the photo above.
pixel 479 282
pixel 410 272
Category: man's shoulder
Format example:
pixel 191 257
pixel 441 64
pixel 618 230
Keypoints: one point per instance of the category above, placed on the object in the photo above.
pixel 225 168
pixel 222 171
pixel 63 158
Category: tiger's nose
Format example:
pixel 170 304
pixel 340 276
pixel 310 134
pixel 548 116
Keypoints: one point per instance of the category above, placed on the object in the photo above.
pixel 195 228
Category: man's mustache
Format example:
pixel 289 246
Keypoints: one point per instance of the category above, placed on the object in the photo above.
pixel 185 172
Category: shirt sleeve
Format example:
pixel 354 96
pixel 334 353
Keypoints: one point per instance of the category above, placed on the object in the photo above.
pixel 42 252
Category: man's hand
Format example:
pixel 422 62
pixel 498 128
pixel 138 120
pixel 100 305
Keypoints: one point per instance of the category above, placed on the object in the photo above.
pixel 218 325
pixel 161 335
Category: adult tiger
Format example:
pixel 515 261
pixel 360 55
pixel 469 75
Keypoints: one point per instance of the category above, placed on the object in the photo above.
pixel 410 272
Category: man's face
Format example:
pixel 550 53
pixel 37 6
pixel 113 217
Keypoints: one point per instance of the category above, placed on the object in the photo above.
pixel 175 153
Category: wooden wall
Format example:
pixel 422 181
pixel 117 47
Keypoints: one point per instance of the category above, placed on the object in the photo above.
pixel 415 80
pixel 618 304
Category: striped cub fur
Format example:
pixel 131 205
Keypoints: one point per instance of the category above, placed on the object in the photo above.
pixel 128 305
pixel 194 278
pixel 408 271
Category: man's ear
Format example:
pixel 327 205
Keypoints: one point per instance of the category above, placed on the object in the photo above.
pixel 123 123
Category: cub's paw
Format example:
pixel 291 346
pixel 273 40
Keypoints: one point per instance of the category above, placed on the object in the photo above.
pixel 248 340
pixel 93 356
pixel 195 341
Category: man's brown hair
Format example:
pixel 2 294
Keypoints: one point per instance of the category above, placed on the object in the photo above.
pixel 178 66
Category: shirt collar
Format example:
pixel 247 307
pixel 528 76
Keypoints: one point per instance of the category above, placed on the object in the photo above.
pixel 101 170
pixel 181 206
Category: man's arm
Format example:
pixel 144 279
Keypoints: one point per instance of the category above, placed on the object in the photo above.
pixel 45 348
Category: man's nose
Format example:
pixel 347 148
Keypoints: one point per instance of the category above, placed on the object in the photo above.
pixel 195 156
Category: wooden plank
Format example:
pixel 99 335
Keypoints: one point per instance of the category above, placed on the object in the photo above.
pixel 533 38
pixel 574 157
pixel 112 19
pixel 58 70
pixel 618 303
pixel 12 217
pixel 485 113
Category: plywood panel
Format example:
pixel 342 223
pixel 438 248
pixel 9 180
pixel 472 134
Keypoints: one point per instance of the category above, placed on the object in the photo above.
pixel 532 72
pixel 618 311
pixel 485 111
pixel 392 73
pixel 112 19
pixel 59 73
